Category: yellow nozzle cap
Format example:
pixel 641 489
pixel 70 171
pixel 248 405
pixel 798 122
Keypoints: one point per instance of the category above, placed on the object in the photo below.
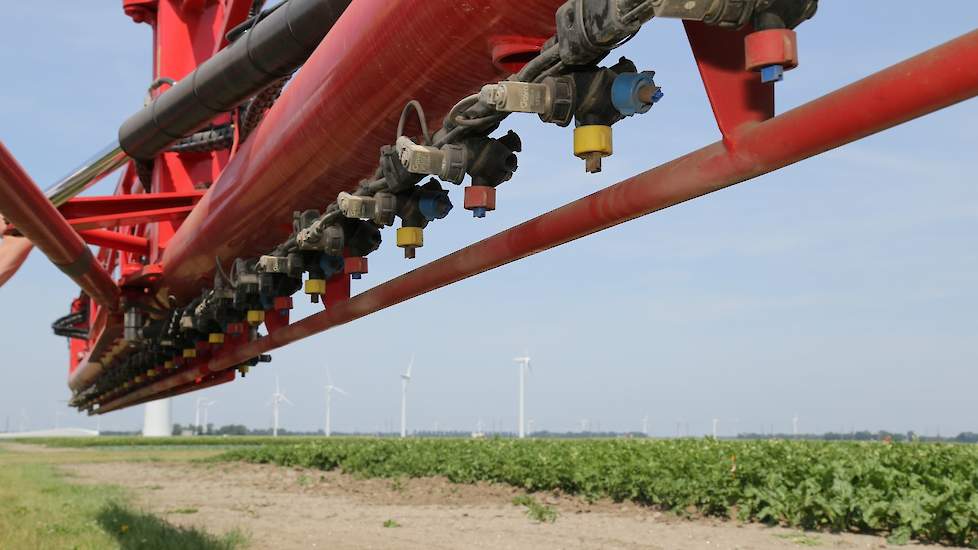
pixel 592 139
pixel 410 236
pixel 215 338
pixel 189 353
pixel 168 365
pixel 316 286
pixel 256 316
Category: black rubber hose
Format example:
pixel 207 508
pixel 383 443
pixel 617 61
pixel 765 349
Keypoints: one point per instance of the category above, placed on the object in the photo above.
pixel 214 139
pixel 273 49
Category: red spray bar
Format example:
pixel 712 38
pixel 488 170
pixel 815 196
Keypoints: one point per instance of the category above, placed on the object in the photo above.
pixel 23 203
pixel 324 134
pixel 926 83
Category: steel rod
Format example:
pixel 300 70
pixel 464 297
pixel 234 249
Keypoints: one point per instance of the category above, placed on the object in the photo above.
pixel 103 163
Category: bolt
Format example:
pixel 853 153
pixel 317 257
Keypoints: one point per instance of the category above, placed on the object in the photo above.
pixel 649 94
pixel 409 252
pixel 772 73
pixel 592 163
pixel 356 275
pixel 479 212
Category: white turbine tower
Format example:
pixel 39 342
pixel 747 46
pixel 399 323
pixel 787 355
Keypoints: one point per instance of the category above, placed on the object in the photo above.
pixel 405 378
pixel 524 363
pixel 197 416
pixel 202 404
pixel 716 421
pixel 207 405
pixel 277 398
pixel 157 419
pixel 794 425
pixel 645 425
pixel 330 388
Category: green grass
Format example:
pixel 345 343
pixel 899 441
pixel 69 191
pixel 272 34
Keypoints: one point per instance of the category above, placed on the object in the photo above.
pixel 135 530
pixel 182 511
pixel 926 492
pixel 801 539
pixel 539 513
pixel 126 442
pixel 391 523
pixel 41 509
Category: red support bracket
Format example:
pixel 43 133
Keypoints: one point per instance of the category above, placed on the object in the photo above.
pixel 141 275
pixel 131 218
pixel 116 241
pixel 337 289
pixel 278 317
pixel 88 207
pixel 738 96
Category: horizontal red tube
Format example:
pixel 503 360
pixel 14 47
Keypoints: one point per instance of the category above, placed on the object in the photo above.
pixel 23 203
pixel 324 134
pixel 921 85
pixel 116 240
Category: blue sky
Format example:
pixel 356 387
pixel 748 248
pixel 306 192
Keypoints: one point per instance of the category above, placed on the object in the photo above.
pixel 840 289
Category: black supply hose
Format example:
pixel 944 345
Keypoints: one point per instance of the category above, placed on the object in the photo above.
pixel 273 49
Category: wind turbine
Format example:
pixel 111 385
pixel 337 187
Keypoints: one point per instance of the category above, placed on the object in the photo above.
pixel 330 388
pixel 794 425
pixel 201 404
pixel 277 398
pixel 206 405
pixel 23 420
pixel 716 421
pixel 405 378
pixel 645 425
pixel 197 416
pixel 524 363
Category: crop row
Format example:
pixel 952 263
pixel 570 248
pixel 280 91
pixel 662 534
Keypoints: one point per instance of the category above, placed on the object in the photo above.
pixel 927 492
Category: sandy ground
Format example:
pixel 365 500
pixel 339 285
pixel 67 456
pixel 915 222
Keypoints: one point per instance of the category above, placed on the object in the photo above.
pixel 295 508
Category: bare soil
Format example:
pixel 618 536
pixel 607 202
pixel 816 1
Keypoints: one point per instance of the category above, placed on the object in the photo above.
pixel 296 508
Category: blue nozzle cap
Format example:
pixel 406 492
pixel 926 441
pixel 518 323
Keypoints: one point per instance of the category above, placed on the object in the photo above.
pixel 479 212
pixel 772 73
pixel 625 90
pixel 435 206
pixel 331 265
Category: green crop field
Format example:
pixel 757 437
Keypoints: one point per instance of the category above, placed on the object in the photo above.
pixel 926 492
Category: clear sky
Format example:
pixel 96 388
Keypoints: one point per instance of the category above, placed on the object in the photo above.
pixel 841 289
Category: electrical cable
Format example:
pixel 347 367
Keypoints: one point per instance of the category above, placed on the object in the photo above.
pixel 416 105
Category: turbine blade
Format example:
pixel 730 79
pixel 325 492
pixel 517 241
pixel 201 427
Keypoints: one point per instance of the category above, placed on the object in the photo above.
pixel 329 379
pixel 410 366
pixel 341 390
pixel 286 399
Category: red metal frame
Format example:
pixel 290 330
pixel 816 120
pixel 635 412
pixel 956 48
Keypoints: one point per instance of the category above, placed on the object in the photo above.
pixel 323 135
pixel 881 101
